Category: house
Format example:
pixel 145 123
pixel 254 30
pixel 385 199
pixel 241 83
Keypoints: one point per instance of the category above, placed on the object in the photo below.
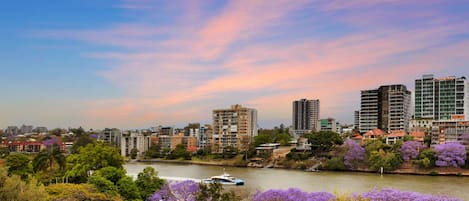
pixel 374 134
pixel 394 136
pixel 419 136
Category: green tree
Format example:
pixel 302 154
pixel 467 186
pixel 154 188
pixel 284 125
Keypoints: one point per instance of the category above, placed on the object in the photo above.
pixel 88 192
pixel 103 185
pixel 180 152
pixel 82 141
pixel 426 158
pixel 148 182
pixel 4 152
pixel 387 160
pixel 262 139
pixel 283 139
pixel 133 153
pixel 214 192
pixel 111 173
pixel 153 151
pixel 15 189
pixel 90 158
pixel 46 159
pixel 324 141
pixel 335 163
pixel 18 164
pixel 128 189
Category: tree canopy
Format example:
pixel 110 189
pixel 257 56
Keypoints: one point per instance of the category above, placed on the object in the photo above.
pixel 324 141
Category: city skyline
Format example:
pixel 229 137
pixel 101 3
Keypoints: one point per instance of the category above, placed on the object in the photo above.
pixel 139 63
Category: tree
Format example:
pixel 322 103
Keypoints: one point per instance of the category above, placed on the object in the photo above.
pixel 82 141
pixel 354 154
pixel 148 182
pixel 426 158
pixel 92 157
pixel 154 151
pixel 4 152
pixel 410 150
pixel 262 139
pixel 18 164
pixel 450 154
pixel 190 190
pixel 133 153
pixel 63 192
pixel 128 189
pixel 103 185
pixel 180 152
pixel 14 188
pixel 324 141
pixel 387 160
pixel 111 173
pixel 46 158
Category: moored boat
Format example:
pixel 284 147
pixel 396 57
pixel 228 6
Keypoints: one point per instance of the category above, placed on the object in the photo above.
pixel 225 179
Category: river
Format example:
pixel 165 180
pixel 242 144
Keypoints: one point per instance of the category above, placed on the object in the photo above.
pixel 343 182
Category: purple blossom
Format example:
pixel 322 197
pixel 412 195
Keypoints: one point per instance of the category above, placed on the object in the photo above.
pixel 292 194
pixel 94 136
pixel 410 150
pixel 176 191
pixel 355 153
pixel 450 154
pixel 51 141
pixel 387 194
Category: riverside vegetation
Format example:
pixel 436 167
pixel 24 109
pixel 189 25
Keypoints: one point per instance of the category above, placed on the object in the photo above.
pixel 94 171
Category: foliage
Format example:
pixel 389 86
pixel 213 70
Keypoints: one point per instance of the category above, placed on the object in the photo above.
pixel 46 158
pixel 128 189
pixel 410 150
pixel 335 163
pixel 62 192
pixel 93 157
pixel 18 164
pixel 450 154
pixel 154 151
pixel 354 153
pixel 276 135
pixel 294 155
pixel 388 194
pixel 148 182
pixel 103 185
pixel 180 152
pixel 133 153
pixel 376 145
pixel 13 188
pixel 426 159
pixel 4 152
pixel 82 141
pixel 324 141
pixel 387 160
pixel 111 173
pixel 292 194
pixel 192 191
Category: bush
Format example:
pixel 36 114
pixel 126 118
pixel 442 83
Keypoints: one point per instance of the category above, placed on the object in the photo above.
pixel 335 163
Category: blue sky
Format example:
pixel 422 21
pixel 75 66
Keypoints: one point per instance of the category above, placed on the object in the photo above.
pixel 140 63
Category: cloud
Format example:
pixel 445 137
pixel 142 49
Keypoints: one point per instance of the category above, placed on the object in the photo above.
pixel 242 51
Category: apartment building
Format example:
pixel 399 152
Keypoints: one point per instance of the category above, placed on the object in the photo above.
pixel 386 108
pixel 305 116
pixel 235 126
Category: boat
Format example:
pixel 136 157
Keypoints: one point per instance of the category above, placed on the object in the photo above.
pixel 225 179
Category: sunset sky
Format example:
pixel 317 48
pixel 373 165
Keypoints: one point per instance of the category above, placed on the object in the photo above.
pixel 141 63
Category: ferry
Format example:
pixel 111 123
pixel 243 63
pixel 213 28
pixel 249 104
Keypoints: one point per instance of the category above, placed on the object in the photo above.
pixel 225 179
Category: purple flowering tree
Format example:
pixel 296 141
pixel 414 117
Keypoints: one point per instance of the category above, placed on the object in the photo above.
pixel 176 191
pixel 292 194
pixel 387 194
pixel 410 150
pixel 51 141
pixel 450 154
pixel 354 154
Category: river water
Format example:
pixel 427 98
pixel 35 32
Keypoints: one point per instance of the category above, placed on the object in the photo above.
pixel 343 182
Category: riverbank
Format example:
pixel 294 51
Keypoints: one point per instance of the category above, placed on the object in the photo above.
pixel 446 171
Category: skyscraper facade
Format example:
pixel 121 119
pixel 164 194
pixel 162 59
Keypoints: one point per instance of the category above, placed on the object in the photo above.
pixel 235 126
pixel 305 116
pixel 441 98
pixel 386 108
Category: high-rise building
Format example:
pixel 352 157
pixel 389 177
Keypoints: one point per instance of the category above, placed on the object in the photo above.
pixel 134 140
pixel 441 98
pixel 386 108
pixel 111 136
pixel 305 116
pixel 356 120
pixel 235 126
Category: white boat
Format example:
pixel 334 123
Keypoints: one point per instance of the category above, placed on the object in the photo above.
pixel 225 179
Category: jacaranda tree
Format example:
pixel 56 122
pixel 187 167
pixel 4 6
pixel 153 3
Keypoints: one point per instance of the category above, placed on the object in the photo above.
pixel 450 154
pixel 354 154
pixel 410 150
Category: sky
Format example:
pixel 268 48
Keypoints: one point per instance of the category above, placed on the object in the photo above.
pixel 142 63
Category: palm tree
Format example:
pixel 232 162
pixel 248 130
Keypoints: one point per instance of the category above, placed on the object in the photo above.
pixel 46 158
